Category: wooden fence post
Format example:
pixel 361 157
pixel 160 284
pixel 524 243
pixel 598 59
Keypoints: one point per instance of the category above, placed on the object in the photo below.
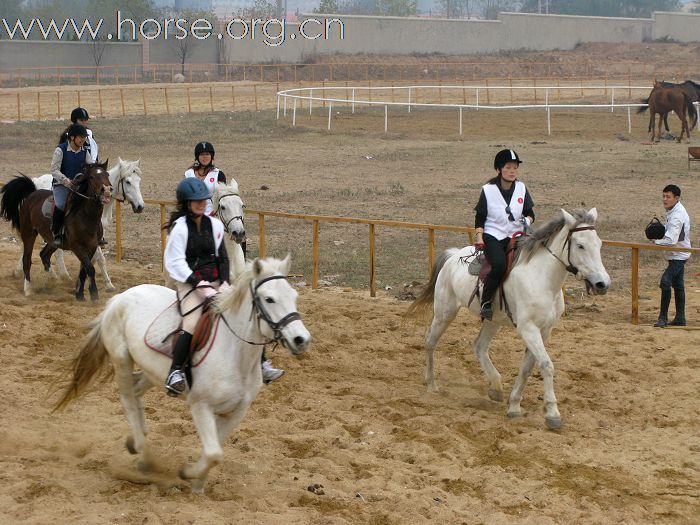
pixel 314 279
pixel 261 236
pixel 121 96
pixel 163 236
pixel 19 115
pixel 189 101
pixel 118 222
pixel 431 250
pixel 635 286
pixel 211 99
pixel 167 101
pixel 143 97
pixel 372 264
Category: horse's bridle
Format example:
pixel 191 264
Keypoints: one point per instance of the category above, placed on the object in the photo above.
pixel 218 209
pixel 95 196
pixel 569 267
pixel 261 313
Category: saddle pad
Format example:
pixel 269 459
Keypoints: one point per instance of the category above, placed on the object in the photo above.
pixel 159 333
pixel 47 207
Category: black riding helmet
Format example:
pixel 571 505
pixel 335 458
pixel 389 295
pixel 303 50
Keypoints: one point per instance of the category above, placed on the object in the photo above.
pixel 79 114
pixel 76 130
pixel 655 230
pixel 203 147
pixel 503 157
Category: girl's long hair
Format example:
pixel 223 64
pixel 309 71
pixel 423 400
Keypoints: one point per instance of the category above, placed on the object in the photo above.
pixel 64 136
pixel 180 211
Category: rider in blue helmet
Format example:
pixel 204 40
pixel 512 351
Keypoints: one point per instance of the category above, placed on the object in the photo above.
pixel 196 259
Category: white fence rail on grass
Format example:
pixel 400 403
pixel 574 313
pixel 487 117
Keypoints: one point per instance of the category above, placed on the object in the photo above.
pixel 411 93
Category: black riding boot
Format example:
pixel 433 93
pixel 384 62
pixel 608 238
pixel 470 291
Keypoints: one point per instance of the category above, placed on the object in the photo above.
pixel 679 320
pixel 176 383
pixel 56 226
pixel 486 300
pixel 663 310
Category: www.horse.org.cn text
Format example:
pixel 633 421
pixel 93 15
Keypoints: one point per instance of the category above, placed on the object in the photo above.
pixel 272 31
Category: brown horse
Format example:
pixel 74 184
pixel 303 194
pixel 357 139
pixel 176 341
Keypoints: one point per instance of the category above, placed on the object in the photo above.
pixel 22 205
pixel 692 89
pixel 664 99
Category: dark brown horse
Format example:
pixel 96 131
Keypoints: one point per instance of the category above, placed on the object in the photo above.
pixel 664 99
pixel 692 89
pixel 22 204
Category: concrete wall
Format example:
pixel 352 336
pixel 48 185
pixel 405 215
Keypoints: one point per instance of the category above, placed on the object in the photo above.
pixel 381 35
pixel 18 54
pixel 683 27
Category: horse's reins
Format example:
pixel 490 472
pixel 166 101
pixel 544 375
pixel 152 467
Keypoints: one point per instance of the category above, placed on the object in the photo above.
pixel 569 267
pixel 261 314
pixel 218 208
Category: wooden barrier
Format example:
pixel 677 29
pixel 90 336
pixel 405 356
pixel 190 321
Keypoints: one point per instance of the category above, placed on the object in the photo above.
pixel 316 220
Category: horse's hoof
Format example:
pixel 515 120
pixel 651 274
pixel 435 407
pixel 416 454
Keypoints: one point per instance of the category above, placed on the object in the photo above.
pixel 80 298
pixel 182 474
pixel 197 486
pixel 144 466
pixel 495 395
pixel 130 445
pixel 514 414
pixel 110 288
pixel 553 423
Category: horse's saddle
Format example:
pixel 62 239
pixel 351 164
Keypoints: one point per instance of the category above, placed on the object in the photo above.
pixel 478 265
pixel 47 207
pixel 163 332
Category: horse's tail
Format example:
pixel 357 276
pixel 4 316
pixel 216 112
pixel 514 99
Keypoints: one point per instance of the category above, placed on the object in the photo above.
pixel 692 112
pixel 13 193
pixel 427 296
pixel 643 108
pixel 86 366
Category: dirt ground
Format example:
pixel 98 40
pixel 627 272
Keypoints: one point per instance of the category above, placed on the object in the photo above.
pixel 353 415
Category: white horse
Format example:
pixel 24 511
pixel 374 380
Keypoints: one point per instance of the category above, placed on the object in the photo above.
pixel 125 177
pixel 260 308
pixel 533 293
pixel 229 208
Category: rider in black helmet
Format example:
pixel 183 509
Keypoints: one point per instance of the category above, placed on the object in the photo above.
pixel 504 208
pixel 80 116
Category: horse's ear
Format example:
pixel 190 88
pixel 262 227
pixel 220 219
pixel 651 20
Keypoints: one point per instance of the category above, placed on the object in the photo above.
pixel 104 164
pixel 286 264
pixel 593 213
pixel 257 267
pixel 568 218
pixel 119 160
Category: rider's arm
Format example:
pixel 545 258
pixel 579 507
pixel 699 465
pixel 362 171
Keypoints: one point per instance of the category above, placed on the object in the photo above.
pixel 174 258
pixel 56 161
pixel 528 206
pixel 674 225
pixel 481 210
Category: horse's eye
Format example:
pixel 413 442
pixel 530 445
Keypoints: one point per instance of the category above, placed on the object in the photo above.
pixel 128 182
pixel 580 246
pixel 223 207
pixel 269 300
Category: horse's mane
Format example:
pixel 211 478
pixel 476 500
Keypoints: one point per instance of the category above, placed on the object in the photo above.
pixel 528 245
pixel 223 190
pixel 231 299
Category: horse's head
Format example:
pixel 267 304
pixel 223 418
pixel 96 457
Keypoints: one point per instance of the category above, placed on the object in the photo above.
pixel 275 305
pixel 96 182
pixel 584 251
pixel 128 184
pixel 229 209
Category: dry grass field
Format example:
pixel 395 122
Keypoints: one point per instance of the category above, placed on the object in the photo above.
pixel 353 415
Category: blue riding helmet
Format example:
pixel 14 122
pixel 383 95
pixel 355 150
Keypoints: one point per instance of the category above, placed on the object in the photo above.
pixel 192 189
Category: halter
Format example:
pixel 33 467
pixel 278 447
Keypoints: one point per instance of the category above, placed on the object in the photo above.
pixel 120 183
pixel 218 209
pixel 95 196
pixel 261 313
pixel 570 267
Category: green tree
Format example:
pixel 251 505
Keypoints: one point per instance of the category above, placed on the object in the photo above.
pixel 327 6
pixel 396 7
pixel 625 8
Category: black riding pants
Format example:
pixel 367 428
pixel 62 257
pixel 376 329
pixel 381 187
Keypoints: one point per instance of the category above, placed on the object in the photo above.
pixel 673 276
pixel 495 252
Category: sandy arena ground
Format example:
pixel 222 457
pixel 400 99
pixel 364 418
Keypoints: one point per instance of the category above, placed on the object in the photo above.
pixel 353 414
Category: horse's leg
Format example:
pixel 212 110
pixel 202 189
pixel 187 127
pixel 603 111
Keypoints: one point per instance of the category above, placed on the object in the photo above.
pixel 28 242
pixel 132 403
pixel 61 263
pixel 481 349
pixel 658 136
pixel 19 269
pixel 652 124
pixel 80 283
pixel 534 340
pixel 444 313
pixel 516 395
pixel 205 421
pixel 45 254
pixel 99 258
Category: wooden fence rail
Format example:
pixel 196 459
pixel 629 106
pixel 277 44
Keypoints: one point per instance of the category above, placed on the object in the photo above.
pixel 316 221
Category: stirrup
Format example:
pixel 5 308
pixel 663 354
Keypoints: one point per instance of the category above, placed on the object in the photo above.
pixel 486 311
pixel 270 373
pixel 176 383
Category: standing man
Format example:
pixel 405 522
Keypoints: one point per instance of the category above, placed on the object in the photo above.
pixel 677 234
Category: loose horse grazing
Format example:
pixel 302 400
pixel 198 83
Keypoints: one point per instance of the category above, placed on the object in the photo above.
pixel 692 89
pixel 228 207
pixel 664 99
pixel 125 177
pixel 258 309
pixel 533 291
pixel 22 205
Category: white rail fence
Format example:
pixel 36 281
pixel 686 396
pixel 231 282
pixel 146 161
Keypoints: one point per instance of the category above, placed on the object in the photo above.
pixel 410 95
